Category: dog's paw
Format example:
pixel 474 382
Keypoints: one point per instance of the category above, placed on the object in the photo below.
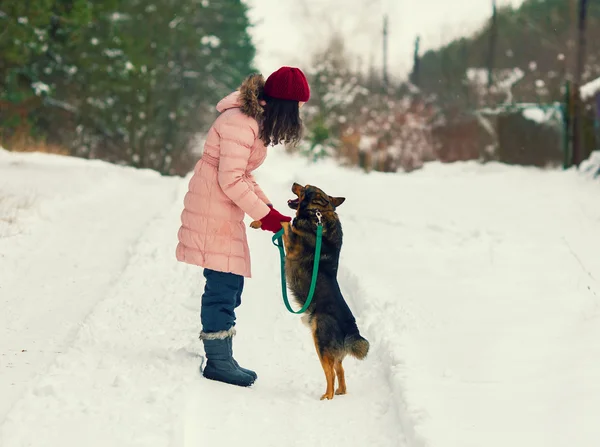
pixel 327 396
pixel 256 224
pixel 340 391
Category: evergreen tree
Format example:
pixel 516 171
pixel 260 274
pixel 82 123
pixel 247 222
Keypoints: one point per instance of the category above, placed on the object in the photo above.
pixel 128 81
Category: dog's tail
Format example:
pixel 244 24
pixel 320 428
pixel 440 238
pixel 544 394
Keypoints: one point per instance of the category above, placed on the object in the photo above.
pixel 357 346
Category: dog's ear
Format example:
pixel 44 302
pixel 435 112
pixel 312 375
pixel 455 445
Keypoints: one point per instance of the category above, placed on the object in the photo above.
pixel 337 201
pixel 297 189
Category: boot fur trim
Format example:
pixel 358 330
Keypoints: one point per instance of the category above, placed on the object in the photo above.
pixel 221 335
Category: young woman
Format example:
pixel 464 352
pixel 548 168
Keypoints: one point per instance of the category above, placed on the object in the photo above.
pixel 222 191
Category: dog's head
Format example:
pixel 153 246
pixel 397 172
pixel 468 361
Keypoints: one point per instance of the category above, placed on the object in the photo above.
pixel 312 198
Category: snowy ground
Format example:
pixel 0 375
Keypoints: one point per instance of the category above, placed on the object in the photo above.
pixel 478 287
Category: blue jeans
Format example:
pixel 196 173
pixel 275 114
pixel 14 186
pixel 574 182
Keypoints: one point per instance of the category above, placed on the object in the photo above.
pixel 222 294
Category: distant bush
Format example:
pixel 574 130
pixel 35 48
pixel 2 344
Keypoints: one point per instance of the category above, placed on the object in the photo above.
pixel 351 118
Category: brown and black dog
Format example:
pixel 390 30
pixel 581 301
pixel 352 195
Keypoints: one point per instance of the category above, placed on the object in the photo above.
pixel 333 326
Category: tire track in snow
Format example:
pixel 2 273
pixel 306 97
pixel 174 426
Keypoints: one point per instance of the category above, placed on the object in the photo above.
pixel 367 314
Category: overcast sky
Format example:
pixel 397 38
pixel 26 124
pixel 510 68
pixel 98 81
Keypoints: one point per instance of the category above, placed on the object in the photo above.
pixel 288 30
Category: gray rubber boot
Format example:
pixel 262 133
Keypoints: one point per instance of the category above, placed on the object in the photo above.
pixel 219 362
pixel 247 371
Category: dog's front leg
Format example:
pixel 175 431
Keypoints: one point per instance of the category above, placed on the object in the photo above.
pixel 292 242
pixel 287 236
pixel 286 231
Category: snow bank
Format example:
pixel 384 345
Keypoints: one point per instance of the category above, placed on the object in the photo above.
pixel 591 166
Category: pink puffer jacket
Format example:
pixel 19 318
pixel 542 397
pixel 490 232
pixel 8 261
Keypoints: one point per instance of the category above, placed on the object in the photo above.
pixel 222 188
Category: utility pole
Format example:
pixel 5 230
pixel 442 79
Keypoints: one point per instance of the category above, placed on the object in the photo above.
pixel 576 94
pixel 414 77
pixel 385 52
pixel 492 48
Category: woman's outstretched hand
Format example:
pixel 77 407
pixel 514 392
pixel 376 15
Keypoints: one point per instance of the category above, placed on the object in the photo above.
pixel 272 221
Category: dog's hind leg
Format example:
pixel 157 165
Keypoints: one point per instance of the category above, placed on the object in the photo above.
pixel 327 363
pixel 339 371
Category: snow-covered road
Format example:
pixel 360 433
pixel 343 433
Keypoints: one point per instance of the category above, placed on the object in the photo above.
pixel 111 323
pixel 478 288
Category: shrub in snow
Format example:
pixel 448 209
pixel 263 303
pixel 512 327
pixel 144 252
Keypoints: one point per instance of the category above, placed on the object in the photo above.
pixel 318 143
pixel 349 118
pixel 334 92
pixel 393 133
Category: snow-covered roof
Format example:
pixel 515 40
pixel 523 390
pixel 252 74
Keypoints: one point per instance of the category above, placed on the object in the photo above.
pixel 590 89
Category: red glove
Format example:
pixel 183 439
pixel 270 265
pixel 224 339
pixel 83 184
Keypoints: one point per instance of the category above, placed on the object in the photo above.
pixel 272 221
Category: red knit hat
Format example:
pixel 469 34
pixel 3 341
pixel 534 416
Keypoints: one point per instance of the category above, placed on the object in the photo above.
pixel 288 83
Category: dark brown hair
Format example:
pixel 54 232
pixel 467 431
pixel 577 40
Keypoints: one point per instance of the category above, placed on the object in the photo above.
pixel 281 122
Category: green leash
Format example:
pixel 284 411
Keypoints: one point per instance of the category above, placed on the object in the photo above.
pixel 278 237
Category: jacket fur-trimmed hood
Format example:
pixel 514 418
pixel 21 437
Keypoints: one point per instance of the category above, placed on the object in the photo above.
pixel 246 97
pixel 250 92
